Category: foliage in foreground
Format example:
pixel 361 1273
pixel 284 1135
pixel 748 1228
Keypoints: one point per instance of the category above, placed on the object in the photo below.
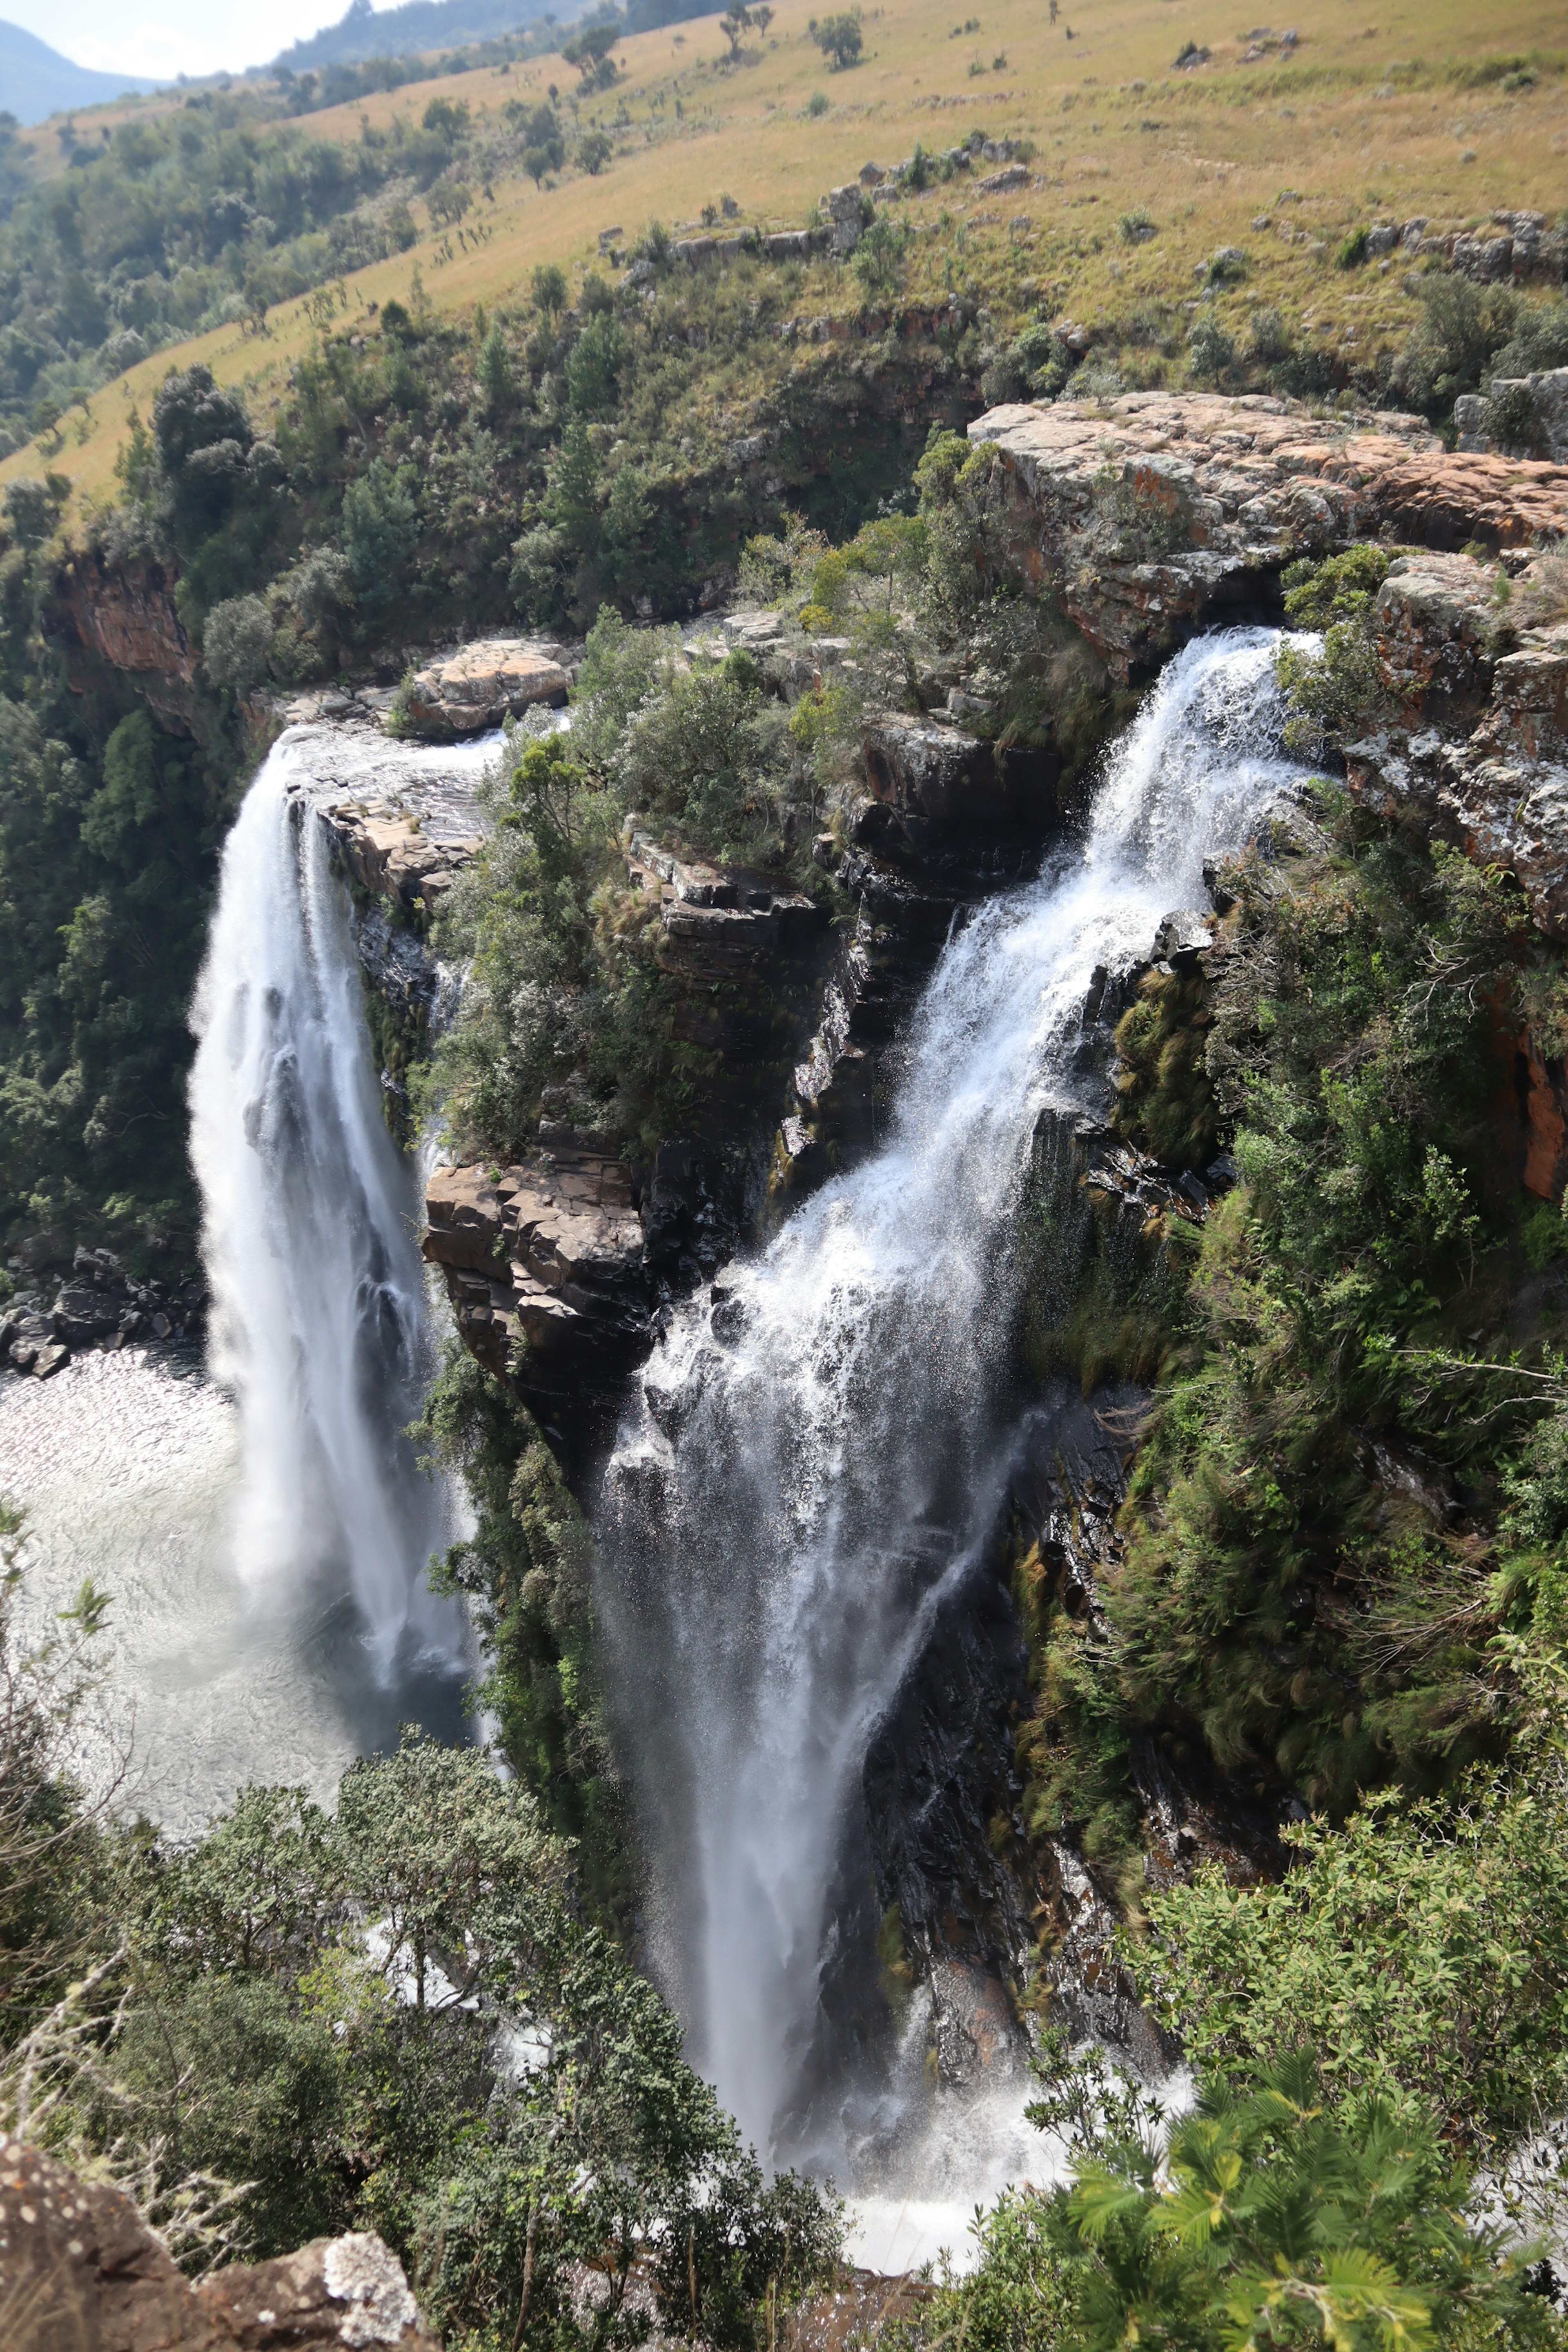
pixel 390 2018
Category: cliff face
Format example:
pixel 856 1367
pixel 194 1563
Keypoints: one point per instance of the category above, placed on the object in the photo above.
pixel 1151 518
pixel 123 617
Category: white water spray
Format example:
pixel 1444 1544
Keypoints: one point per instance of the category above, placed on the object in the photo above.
pixel 812 1462
pixel 310 1217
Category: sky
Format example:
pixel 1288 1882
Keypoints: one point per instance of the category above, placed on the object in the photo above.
pixel 165 37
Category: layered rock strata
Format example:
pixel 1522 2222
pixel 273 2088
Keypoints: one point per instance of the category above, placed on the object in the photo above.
pixel 1156 514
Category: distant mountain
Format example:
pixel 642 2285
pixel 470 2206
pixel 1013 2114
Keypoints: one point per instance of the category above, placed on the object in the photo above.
pixel 36 81
pixel 418 26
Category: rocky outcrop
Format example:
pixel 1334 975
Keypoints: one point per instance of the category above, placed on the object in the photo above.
pixel 475 689
pixel 97 1307
pixel 391 855
pixel 547 1272
pixel 1476 744
pixel 1156 514
pixel 79 2272
pixel 940 795
pixel 1526 414
pixel 124 616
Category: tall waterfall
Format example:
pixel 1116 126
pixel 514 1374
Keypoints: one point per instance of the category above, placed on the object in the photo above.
pixel 319 1308
pixel 814 1457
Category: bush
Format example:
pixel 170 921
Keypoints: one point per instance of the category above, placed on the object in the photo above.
pixel 816 105
pixel 1462 326
pixel 237 638
pixel 839 38
pixel 1267 337
pixel 1211 353
pixel 1353 252
pixel 594 151
pixel 1137 228
pixel 879 258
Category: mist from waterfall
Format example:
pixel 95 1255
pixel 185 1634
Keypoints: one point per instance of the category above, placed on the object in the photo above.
pixel 814 1457
pixel 318 1314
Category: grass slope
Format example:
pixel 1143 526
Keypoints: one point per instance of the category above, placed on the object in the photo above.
pixel 1415 113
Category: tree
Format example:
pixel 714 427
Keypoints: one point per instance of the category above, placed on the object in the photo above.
pixel 550 290
pixel 379 528
pixel 237 638
pixel 589 51
pixel 839 37
pixel 734 25
pixel 594 151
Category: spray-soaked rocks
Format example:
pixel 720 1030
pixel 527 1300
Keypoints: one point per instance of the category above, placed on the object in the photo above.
pixel 98 1306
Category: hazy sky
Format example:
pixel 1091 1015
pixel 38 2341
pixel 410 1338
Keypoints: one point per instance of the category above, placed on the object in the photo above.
pixel 170 37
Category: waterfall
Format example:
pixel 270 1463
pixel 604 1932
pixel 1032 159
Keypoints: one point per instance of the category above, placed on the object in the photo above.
pixel 818 1450
pixel 310 1217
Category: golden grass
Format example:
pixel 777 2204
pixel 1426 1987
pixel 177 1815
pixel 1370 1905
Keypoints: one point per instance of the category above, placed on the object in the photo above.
pixel 1366 120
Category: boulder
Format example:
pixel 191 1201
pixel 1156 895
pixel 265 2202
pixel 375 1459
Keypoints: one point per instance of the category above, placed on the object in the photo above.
pixel 845 209
pixel 477 686
pixel 80 2271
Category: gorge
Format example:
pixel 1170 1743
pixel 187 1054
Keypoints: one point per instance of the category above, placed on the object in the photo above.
pixel 867 1054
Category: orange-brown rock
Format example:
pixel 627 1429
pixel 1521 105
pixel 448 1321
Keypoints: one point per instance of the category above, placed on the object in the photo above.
pixel 1155 513
pixel 80 2271
pixel 124 615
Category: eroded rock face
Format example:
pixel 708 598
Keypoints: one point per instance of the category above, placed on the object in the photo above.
pixel 389 854
pixel 1159 513
pixel 477 688
pixel 546 1270
pixel 79 2272
pixel 124 616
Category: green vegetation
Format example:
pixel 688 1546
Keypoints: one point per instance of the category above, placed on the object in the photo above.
pixel 301 2024
pixel 1373 2035
pixel 109 830
pixel 1350 1479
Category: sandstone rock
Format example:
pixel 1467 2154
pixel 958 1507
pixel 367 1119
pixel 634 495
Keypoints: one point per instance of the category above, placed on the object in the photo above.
pixel 79 2272
pixel 1541 400
pixel 844 209
pixel 390 855
pixel 124 615
pixel 348 2291
pixel 1002 183
pixel 1157 513
pixel 483 684
pixel 545 1269
pixel 1436 619
pixel 937 788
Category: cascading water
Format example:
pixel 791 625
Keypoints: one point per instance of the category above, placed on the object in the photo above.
pixel 814 1457
pixel 310 1217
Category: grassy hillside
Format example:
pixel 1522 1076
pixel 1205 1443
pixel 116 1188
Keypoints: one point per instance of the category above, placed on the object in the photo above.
pixel 1419 112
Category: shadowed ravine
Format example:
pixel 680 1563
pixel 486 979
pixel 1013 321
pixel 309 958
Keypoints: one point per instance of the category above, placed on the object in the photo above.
pixel 817 1452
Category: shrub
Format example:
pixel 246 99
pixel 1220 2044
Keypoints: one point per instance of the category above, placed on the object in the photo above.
pixel 1267 337
pixel 839 38
pixel 816 105
pixel 1137 228
pixel 1353 252
pixel 594 151
pixel 236 639
pixel 879 258
pixel 1211 353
